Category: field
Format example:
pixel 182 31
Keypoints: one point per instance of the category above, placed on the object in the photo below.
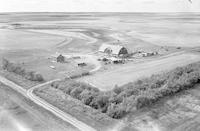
pixel 40 60
pixel 129 73
pixel 31 38
pixel 33 41
pixel 13 40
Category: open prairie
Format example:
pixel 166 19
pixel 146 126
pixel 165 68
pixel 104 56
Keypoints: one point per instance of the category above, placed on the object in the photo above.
pixel 31 37
pixel 13 40
pixel 177 29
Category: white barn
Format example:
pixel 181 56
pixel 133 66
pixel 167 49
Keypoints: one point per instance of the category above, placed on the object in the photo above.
pixel 113 49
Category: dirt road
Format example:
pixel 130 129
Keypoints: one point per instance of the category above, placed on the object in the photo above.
pixel 64 116
pixel 29 94
pixel 128 73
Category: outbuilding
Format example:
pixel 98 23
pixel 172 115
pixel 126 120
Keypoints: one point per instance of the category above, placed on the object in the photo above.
pixel 113 49
pixel 60 59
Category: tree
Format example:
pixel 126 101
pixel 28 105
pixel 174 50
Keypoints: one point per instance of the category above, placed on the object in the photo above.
pixel 86 97
pixel 116 111
pixel 117 89
pixel 5 63
pixel 76 92
pixel 102 102
pixel 39 77
pixel 17 69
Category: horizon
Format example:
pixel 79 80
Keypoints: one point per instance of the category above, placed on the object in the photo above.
pixel 99 6
pixel 19 12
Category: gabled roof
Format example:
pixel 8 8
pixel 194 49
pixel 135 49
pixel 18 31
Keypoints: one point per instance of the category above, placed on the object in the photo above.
pixel 115 48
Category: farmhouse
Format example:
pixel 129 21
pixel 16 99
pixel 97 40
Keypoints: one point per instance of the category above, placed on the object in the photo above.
pixel 113 49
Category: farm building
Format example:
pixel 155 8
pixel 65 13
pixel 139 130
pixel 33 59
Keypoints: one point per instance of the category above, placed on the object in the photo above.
pixel 60 58
pixel 113 49
pixel 145 54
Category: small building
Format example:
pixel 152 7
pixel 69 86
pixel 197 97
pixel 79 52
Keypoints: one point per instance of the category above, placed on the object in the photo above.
pixel 145 54
pixel 82 64
pixel 113 49
pixel 60 58
pixel 118 61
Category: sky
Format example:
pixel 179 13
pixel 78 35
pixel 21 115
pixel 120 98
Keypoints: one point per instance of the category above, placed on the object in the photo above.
pixel 99 6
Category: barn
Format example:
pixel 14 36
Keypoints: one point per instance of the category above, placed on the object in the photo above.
pixel 113 49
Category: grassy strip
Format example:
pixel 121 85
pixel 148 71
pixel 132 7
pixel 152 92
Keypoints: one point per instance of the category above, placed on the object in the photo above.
pixel 74 107
pixel 19 80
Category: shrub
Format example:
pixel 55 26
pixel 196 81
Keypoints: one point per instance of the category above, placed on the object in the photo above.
pixel 5 64
pixel 17 69
pixel 86 97
pixel 102 102
pixel 94 103
pixel 116 111
pixel 117 89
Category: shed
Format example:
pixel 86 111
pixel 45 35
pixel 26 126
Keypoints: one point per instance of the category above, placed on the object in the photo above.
pixel 60 58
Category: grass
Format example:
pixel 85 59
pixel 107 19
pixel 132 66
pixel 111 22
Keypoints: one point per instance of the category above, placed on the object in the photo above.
pixel 27 113
pixel 37 60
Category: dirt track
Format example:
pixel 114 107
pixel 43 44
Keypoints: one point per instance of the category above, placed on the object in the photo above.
pixel 17 113
pixel 128 73
pixel 29 94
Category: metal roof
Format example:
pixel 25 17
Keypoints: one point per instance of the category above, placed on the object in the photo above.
pixel 115 48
